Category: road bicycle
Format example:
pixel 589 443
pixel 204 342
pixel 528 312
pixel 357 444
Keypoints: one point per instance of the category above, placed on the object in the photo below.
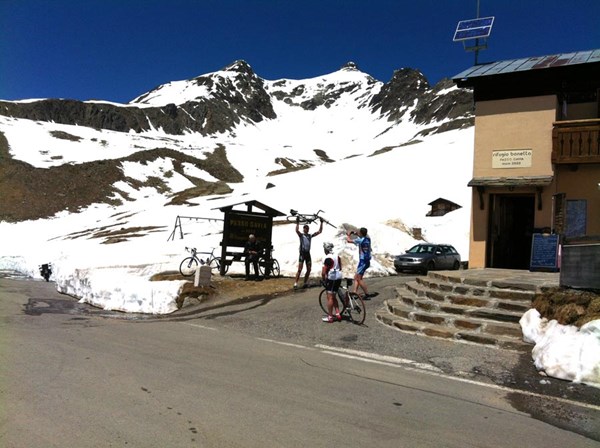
pixel 188 266
pixel 305 218
pixel 271 263
pixel 352 304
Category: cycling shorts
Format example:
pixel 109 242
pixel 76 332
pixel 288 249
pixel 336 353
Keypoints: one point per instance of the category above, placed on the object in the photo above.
pixel 363 265
pixel 332 285
pixel 304 256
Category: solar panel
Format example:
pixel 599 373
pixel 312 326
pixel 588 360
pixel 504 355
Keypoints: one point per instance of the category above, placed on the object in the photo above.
pixel 473 28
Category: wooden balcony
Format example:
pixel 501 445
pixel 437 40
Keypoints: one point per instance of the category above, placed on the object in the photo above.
pixel 576 141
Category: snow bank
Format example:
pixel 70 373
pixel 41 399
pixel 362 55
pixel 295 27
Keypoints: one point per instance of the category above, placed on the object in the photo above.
pixel 120 288
pixel 564 351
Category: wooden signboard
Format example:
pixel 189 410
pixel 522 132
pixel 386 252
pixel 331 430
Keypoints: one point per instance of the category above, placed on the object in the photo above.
pixel 239 224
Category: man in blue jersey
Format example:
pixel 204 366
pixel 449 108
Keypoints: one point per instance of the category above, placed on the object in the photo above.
pixel 363 241
pixel 304 257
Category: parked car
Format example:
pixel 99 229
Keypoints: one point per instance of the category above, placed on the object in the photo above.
pixel 427 257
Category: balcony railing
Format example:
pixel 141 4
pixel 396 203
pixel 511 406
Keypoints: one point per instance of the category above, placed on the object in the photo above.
pixel 576 141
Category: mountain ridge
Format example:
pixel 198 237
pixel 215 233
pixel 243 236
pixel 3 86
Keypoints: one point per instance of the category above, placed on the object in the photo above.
pixel 227 126
pixel 243 97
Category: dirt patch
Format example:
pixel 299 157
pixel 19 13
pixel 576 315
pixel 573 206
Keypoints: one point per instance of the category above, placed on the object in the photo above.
pixel 569 306
pixel 226 288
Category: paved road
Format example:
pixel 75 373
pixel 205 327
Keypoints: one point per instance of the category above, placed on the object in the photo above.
pixel 261 372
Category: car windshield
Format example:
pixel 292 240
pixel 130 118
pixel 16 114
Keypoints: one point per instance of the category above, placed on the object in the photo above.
pixel 421 249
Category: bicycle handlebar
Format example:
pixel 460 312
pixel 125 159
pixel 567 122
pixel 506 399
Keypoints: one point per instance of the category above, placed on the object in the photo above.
pixel 193 250
pixel 308 218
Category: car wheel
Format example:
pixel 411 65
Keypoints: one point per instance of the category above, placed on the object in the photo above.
pixel 456 265
pixel 430 267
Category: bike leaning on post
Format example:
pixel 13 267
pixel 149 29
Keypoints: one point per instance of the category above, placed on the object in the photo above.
pixel 188 266
pixel 351 304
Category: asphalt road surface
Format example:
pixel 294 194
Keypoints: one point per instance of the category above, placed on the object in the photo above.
pixel 264 372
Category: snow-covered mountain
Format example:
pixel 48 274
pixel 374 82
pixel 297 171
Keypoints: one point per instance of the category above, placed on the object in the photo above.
pixel 80 178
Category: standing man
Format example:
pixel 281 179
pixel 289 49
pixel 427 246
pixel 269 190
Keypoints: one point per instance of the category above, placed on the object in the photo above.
pixel 331 274
pixel 251 252
pixel 363 241
pixel 305 239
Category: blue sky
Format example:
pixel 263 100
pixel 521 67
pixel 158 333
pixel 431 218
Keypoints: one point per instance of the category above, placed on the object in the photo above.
pixel 118 49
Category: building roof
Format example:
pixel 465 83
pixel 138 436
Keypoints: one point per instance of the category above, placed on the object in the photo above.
pixel 442 200
pixel 250 205
pixel 523 181
pixel 531 63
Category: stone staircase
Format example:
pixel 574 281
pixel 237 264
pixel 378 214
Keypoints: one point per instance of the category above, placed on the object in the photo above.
pixel 465 306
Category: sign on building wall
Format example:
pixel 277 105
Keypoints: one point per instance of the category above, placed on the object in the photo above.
pixel 576 217
pixel 512 158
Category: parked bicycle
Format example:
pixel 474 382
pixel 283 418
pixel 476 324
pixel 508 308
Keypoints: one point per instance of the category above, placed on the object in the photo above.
pixel 351 304
pixel 309 218
pixel 271 263
pixel 188 266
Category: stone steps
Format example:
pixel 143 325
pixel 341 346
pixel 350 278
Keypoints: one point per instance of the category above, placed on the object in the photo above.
pixel 462 308
pixel 466 299
pixel 452 333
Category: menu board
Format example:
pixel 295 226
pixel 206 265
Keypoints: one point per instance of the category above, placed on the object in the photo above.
pixel 544 252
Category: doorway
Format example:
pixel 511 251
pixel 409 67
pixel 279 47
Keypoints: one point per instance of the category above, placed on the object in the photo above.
pixel 510 231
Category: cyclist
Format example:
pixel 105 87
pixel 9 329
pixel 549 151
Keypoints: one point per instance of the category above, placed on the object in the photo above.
pixel 331 274
pixel 305 240
pixel 363 241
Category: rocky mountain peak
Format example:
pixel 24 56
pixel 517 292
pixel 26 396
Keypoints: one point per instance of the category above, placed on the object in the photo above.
pixel 349 66
pixel 410 79
pixel 409 90
pixel 239 66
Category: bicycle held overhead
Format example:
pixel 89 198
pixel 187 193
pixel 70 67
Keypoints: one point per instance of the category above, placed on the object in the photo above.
pixel 307 218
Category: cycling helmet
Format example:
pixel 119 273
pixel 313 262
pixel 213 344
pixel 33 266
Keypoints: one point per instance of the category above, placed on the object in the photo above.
pixel 328 246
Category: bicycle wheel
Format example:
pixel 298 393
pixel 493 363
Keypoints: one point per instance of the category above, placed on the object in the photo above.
pixel 275 270
pixel 356 308
pixel 215 263
pixel 188 266
pixel 323 301
pixel 262 263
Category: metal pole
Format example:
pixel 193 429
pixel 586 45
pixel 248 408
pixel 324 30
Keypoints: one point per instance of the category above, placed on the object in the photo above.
pixel 477 40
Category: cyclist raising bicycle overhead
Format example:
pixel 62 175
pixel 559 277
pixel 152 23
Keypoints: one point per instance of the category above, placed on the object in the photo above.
pixel 331 274
pixel 305 240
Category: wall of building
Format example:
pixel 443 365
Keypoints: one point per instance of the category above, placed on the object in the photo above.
pixel 511 124
pixel 480 218
pixel 520 123
pixel 582 182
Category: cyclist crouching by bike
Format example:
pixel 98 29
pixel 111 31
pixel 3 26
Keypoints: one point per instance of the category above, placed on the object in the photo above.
pixel 331 275
pixel 305 240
